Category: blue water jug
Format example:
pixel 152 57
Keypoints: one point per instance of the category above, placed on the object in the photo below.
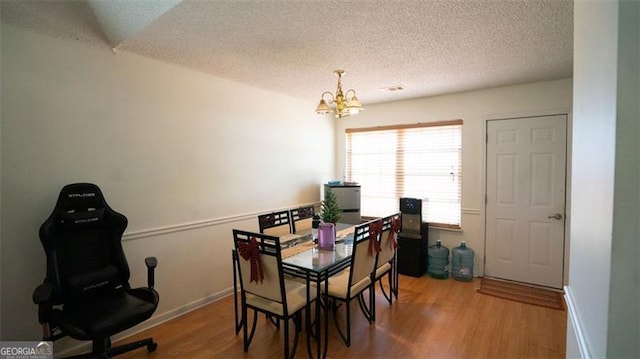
pixel 438 261
pixel 462 262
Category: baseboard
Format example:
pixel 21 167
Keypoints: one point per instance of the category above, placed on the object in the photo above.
pixel 580 339
pixel 84 347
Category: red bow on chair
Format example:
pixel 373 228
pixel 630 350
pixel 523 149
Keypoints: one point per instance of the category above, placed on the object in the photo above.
pixel 251 251
pixel 395 228
pixel 375 229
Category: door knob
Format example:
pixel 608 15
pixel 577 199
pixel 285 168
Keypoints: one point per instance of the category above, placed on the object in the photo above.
pixel 555 216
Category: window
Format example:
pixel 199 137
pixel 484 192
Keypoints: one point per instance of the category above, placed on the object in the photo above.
pixel 418 161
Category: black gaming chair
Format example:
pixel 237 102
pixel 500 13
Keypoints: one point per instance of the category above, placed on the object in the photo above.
pixel 86 293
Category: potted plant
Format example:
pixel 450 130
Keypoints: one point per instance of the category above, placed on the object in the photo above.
pixel 330 211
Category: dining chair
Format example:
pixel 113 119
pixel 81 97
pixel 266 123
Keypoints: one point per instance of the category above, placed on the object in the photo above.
pixel 275 223
pixel 352 282
pixel 386 262
pixel 238 319
pixel 278 224
pixel 264 288
pixel 301 218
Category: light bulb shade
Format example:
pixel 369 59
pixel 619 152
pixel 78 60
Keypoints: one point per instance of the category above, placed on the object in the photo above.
pixel 354 106
pixel 323 108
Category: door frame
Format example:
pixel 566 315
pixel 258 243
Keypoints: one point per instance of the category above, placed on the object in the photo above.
pixel 567 223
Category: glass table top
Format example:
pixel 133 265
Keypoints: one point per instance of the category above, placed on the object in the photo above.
pixel 317 260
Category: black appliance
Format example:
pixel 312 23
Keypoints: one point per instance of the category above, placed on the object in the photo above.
pixel 412 239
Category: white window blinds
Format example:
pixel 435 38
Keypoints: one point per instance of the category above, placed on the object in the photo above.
pixel 418 161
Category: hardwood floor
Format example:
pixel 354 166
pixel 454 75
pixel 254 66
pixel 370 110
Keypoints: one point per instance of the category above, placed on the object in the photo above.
pixel 432 319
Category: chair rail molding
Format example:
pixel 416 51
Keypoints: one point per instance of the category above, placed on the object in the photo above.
pixel 158 231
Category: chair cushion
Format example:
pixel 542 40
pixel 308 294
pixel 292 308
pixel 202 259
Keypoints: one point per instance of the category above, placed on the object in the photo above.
pixel 382 270
pixel 104 315
pixel 303 224
pixel 338 285
pixel 296 298
pixel 93 282
pixel 278 231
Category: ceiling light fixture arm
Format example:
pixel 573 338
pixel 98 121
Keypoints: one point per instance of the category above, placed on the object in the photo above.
pixel 330 100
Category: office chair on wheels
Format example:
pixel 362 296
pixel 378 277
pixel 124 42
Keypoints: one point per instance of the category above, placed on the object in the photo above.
pixel 86 293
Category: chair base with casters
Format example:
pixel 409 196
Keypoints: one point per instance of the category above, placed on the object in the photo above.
pixel 86 294
pixel 103 348
pixel 86 320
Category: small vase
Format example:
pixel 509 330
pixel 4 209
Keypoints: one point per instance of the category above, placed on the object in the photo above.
pixel 326 236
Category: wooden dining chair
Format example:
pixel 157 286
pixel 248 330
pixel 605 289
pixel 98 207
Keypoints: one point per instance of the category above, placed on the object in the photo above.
pixel 275 223
pixel 301 218
pixel 386 261
pixel 352 282
pixel 264 288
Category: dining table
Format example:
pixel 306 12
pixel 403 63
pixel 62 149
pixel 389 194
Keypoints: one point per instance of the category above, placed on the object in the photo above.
pixel 315 265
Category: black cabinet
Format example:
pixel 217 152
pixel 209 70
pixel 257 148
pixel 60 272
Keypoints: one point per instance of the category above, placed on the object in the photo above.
pixel 412 253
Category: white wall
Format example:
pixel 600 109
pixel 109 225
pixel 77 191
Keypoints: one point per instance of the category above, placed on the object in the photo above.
pixel 0 171
pixel 593 169
pixel 624 299
pixel 604 284
pixel 474 108
pixel 184 155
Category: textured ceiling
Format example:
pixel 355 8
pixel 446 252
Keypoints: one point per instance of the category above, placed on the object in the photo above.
pixel 428 47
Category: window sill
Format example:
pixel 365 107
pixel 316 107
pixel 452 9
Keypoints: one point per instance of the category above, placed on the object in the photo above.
pixel 441 227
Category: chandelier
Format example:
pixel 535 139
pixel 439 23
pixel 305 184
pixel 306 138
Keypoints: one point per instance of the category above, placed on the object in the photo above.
pixel 346 103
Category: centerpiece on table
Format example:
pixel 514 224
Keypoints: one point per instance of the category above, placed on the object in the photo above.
pixel 330 213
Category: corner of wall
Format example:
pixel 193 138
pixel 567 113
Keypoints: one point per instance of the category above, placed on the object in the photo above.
pixel 577 344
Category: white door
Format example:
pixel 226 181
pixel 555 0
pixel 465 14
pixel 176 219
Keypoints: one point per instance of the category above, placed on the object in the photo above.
pixel 525 202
